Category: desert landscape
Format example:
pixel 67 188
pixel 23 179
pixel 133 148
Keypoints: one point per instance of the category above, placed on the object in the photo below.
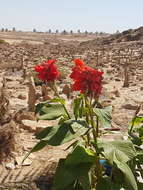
pixel 119 56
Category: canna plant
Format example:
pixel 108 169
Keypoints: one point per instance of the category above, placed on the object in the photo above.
pixel 93 163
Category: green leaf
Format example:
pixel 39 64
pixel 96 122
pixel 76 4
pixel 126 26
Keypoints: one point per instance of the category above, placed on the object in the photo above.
pixel 119 153
pixel 40 105
pixel 66 175
pixel 129 177
pixel 39 146
pixel 80 155
pixel 135 139
pixel 51 111
pixel 141 131
pixel 136 122
pixel 85 181
pixel 45 132
pixel 63 177
pixel 104 115
pixel 59 100
pixel 140 158
pixel 63 133
pixel 106 184
pixel 124 150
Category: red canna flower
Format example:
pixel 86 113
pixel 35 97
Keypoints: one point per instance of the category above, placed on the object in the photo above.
pixel 86 79
pixel 47 71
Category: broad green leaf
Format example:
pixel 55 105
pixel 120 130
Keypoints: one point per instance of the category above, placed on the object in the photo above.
pixel 124 150
pixel 51 111
pixel 80 155
pixel 129 177
pixel 85 181
pixel 64 132
pixel 66 175
pixel 119 153
pixel 63 177
pixel 104 115
pixel 40 105
pixel 106 184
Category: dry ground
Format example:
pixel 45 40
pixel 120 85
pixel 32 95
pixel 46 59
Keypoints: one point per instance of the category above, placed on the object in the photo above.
pixel 42 164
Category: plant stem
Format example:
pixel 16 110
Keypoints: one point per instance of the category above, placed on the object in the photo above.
pixel 133 122
pixel 97 126
pixel 87 119
pixel 95 132
pixel 91 121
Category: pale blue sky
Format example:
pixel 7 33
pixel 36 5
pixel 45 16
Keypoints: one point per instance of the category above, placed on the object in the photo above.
pixel 91 15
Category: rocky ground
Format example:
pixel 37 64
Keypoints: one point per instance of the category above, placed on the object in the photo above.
pixel 122 63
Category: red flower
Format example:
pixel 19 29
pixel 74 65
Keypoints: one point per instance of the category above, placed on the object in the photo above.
pixel 86 79
pixel 47 71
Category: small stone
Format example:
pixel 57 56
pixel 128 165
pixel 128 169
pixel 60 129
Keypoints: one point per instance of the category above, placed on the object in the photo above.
pixel 105 82
pixel 34 126
pixel 117 79
pixel 22 97
pixel 19 161
pixel 116 93
pixel 10 166
pixel 20 115
pixel 29 125
pixel 130 107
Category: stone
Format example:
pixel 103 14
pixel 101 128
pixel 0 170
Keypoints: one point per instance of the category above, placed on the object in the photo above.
pixel 22 115
pixel 19 161
pixel 116 93
pixel 10 166
pixel 117 79
pixel 29 125
pixel 34 126
pixel 130 107
pixel 22 97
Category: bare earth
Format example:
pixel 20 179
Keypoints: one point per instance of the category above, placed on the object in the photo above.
pixel 22 52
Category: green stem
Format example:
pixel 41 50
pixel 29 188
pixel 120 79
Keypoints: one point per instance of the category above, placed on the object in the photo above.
pixel 95 132
pixel 97 126
pixel 87 119
pixel 89 106
pixel 133 122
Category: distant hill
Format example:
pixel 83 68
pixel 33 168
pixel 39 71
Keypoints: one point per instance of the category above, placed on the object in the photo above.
pixel 125 36
pixel 129 35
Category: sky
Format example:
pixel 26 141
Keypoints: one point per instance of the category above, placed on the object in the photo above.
pixel 91 15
